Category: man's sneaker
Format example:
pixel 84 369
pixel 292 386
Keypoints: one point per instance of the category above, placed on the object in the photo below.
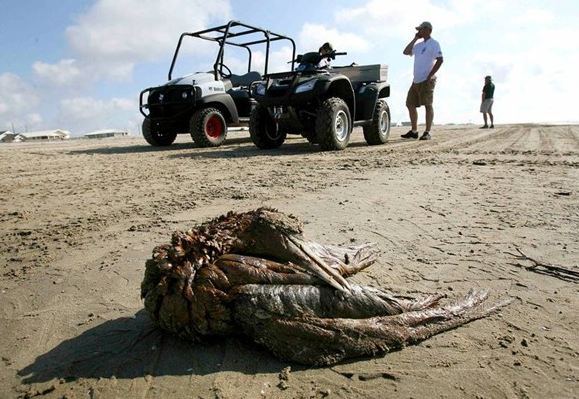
pixel 426 136
pixel 491 126
pixel 484 127
pixel 410 135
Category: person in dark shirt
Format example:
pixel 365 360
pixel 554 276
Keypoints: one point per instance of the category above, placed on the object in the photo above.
pixel 487 99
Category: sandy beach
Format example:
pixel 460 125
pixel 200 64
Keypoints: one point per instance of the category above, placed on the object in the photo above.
pixel 79 218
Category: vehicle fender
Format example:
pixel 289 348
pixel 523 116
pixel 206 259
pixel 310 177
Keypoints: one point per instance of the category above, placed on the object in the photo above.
pixel 340 86
pixel 224 103
pixel 383 89
pixel 367 97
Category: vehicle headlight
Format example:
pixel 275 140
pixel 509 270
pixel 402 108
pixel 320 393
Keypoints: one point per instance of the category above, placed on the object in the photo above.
pixel 184 95
pixel 260 89
pixel 309 85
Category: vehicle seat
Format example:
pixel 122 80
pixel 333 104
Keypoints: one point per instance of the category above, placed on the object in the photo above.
pixel 244 80
pixel 238 93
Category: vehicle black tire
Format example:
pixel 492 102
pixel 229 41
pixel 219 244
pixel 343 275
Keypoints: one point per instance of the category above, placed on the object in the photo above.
pixel 379 130
pixel 208 127
pixel 263 131
pixel 333 124
pixel 154 136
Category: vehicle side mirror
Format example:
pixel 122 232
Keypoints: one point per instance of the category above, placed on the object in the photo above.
pixel 299 58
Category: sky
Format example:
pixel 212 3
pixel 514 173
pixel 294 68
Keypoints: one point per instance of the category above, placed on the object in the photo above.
pixel 80 65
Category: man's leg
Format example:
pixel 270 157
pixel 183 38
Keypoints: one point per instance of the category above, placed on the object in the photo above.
pixel 429 117
pixel 412 102
pixel 413 117
pixel 485 118
pixel 427 96
pixel 492 119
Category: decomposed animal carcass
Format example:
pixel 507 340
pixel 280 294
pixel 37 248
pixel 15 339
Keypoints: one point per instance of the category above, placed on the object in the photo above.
pixel 254 273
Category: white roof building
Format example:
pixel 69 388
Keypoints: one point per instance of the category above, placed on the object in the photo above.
pixel 99 134
pixel 6 136
pixel 57 134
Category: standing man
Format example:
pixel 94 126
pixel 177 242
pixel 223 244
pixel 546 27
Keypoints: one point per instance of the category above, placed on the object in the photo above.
pixel 486 104
pixel 427 61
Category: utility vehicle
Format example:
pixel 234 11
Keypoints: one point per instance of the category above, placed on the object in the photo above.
pixel 205 104
pixel 321 104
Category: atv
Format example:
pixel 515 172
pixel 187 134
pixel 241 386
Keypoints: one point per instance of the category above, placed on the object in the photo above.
pixel 205 104
pixel 321 104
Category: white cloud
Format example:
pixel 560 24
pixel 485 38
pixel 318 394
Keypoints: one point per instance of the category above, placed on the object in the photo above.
pixel 534 17
pixel 18 101
pixel 121 33
pixel 115 35
pixel 280 60
pixel 64 72
pixel 312 36
pixel 82 114
pixel 383 19
pixel 33 120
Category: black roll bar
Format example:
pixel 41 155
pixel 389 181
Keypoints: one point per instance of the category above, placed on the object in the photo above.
pixel 224 36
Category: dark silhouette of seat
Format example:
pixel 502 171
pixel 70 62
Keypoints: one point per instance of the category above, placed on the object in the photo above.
pixel 244 80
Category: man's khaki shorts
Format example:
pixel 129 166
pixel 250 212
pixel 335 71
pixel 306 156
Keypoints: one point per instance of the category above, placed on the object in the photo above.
pixel 421 93
pixel 486 106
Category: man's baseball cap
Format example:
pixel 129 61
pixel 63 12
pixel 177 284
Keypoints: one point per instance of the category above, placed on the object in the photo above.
pixel 425 24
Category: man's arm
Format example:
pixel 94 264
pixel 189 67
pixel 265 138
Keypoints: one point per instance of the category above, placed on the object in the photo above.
pixel 435 68
pixel 408 49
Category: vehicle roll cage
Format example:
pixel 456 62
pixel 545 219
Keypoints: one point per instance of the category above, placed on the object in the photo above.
pixel 225 34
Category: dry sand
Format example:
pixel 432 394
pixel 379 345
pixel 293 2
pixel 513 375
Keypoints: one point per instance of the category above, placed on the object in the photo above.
pixel 79 219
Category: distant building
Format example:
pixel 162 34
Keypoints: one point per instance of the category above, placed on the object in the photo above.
pixel 6 136
pixel 56 134
pixel 101 134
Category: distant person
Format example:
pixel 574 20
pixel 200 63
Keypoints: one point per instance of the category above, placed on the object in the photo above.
pixel 427 61
pixel 325 51
pixel 487 100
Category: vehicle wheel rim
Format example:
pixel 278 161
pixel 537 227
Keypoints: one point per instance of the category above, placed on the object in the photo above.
pixel 272 132
pixel 384 122
pixel 214 127
pixel 341 126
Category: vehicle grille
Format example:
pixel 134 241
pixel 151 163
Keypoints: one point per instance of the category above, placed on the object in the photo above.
pixel 278 91
pixel 168 101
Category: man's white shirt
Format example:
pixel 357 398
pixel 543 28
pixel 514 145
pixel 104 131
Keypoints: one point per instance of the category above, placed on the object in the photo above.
pixel 425 54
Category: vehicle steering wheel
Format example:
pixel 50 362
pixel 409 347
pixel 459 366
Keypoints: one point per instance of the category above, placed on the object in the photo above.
pixel 224 75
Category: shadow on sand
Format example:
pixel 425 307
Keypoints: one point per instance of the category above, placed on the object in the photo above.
pixel 241 147
pixel 131 347
pixel 145 148
pixel 132 149
pixel 289 148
